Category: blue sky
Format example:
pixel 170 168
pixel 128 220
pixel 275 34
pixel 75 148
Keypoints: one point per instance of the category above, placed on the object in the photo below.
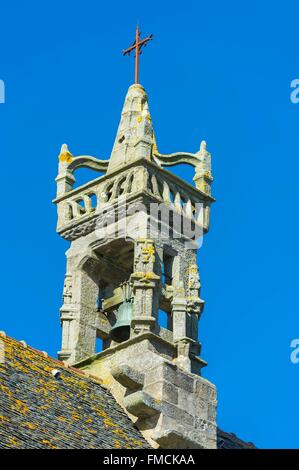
pixel 218 71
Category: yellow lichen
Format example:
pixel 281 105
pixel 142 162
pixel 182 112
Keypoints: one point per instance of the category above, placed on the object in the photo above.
pixel 14 442
pixel 6 390
pixel 92 431
pixel 30 425
pixel 62 418
pixel 121 433
pixel 48 443
pixel 66 157
pixel 3 418
pixel 21 407
pixel 75 416
pixel 109 422
pixel 137 443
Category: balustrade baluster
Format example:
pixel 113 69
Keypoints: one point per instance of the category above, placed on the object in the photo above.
pixel 166 192
pixel 87 203
pixel 178 202
pixel 188 209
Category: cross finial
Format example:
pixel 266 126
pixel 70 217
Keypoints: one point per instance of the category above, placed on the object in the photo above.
pixel 137 45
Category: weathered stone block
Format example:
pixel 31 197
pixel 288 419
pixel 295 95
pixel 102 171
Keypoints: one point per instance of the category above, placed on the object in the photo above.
pixel 171 434
pixel 188 402
pixel 171 373
pixel 127 376
pixel 205 389
pixel 141 404
pixel 163 390
pixel 174 412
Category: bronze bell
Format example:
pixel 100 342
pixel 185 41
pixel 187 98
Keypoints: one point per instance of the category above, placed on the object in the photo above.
pixel 120 331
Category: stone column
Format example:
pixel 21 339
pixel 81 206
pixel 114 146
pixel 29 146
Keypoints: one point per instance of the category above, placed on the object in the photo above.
pixel 65 178
pixel 145 287
pixel 180 328
pixel 65 181
pixel 203 177
pixel 67 319
pixel 79 316
pixel 194 303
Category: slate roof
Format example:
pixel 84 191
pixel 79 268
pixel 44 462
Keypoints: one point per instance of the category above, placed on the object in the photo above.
pixel 73 411
pixel 39 411
pixel 227 440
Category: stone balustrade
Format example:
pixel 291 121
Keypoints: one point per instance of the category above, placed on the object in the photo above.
pixel 80 204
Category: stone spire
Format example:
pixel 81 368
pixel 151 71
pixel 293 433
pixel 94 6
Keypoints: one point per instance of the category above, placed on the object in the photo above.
pixel 135 136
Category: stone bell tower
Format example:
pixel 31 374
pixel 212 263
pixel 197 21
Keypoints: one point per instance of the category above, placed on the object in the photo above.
pixel 134 234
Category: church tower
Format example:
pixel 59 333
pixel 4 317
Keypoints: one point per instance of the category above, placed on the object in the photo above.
pixel 132 279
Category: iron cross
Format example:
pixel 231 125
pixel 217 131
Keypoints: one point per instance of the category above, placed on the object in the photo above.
pixel 137 45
